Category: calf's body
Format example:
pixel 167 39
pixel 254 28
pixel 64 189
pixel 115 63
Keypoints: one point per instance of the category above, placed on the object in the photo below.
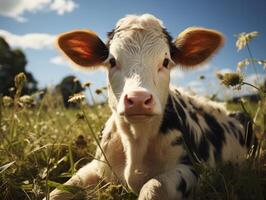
pixel 155 132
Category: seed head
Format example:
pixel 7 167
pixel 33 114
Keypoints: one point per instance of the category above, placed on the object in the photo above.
pixel 242 64
pixel 244 38
pixel 98 91
pixel 76 98
pixel 26 100
pixel 80 116
pixel 7 101
pixel 219 75
pixel 87 84
pixel 232 79
pixel 20 79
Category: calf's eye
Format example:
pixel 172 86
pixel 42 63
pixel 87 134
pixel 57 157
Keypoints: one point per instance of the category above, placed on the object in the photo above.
pixel 166 62
pixel 112 62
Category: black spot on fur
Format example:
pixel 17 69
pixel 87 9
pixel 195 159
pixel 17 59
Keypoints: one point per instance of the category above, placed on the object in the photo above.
pixel 194 173
pixel 233 128
pixel 241 138
pixel 171 119
pixel 226 128
pixel 178 120
pixel 203 149
pixel 193 115
pixel 246 121
pixel 182 187
pixel 215 135
pixel 182 102
pixel 185 160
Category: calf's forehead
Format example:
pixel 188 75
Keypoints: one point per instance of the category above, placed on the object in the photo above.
pixel 139 35
pixel 145 21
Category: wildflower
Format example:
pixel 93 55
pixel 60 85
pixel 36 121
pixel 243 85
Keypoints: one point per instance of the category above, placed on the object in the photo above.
pixel 231 79
pixel 219 75
pixel 20 79
pixel 98 91
pixel 80 115
pixel 11 91
pixel 244 38
pixel 242 64
pixel 263 63
pixel 81 145
pixel 26 100
pixel 81 142
pixel 7 101
pixel 86 84
pixel 76 98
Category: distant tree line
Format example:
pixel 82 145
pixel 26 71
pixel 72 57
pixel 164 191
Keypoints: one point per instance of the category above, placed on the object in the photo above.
pixel 13 61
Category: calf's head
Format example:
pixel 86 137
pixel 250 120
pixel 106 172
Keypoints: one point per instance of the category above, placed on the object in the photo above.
pixel 138 57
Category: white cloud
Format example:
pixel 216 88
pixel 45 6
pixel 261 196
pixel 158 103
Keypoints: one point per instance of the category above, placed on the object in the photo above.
pixel 177 74
pixel 255 78
pixel 225 70
pixel 197 87
pixel 62 6
pixel 204 67
pixel 29 41
pixel 59 60
pixel 16 8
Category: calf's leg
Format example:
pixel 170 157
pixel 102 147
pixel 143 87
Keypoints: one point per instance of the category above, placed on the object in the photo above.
pixel 171 185
pixel 87 177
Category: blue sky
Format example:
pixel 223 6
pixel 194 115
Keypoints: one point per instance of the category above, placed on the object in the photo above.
pixel 33 24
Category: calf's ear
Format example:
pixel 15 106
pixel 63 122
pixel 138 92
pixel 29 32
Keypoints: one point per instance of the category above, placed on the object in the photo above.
pixel 84 48
pixel 196 45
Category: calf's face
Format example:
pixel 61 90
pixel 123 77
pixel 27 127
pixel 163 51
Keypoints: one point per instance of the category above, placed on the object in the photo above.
pixel 139 56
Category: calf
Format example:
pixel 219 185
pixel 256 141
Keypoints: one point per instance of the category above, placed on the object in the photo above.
pixel 155 131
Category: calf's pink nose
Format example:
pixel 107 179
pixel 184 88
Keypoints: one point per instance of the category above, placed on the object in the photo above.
pixel 138 103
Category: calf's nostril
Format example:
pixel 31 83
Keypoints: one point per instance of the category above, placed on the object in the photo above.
pixel 148 101
pixel 129 101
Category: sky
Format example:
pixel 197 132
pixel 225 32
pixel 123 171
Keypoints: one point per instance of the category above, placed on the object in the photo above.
pixel 33 25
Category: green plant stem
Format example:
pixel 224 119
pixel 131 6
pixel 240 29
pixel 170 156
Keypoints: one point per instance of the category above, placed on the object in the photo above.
pixel 97 141
pixel 92 97
pixel 249 84
pixel 1 107
pixel 252 61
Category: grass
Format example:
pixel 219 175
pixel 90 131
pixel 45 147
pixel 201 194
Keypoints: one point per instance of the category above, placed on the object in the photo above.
pixel 42 146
